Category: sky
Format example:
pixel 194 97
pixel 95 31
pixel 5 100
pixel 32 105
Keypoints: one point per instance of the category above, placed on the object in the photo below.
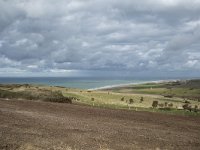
pixel 100 38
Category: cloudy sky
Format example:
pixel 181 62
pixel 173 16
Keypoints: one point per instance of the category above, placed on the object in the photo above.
pixel 99 37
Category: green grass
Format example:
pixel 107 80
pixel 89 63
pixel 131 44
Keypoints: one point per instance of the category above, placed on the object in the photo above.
pixel 41 94
pixel 183 89
pixel 150 92
pixel 170 100
pixel 177 112
pixel 112 98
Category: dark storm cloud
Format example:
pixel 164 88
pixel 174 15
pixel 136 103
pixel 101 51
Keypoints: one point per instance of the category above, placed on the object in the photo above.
pixel 60 36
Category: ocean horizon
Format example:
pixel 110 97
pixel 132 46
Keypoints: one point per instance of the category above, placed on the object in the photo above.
pixel 81 82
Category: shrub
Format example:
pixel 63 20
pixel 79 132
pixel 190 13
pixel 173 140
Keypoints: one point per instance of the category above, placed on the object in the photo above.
pixel 92 99
pixel 60 100
pixel 168 96
pixel 131 101
pixel 170 105
pixel 161 105
pixel 165 109
pixel 122 99
pixel 166 104
pixel 45 95
pixel 155 104
pixel 187 102
pixel 195 108
pixel 187 107
pixel 56 96
pixel 141 99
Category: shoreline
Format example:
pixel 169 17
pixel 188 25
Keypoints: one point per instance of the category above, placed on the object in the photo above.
pixel 104 87
pixel 129 84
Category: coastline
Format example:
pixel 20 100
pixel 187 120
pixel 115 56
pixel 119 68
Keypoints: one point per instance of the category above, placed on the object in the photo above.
pixel 87 83
pixel 82 83
pixel 129 84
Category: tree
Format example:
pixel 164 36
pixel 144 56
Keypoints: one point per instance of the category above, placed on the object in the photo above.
pixel 195 108
pixel 122 99
pixel 161 105
pixel 141 99
pixel 131 101
pixel 170 105
pixel 155 104
pixel 187 107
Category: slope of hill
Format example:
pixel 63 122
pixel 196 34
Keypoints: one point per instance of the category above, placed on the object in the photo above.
pixel 44 125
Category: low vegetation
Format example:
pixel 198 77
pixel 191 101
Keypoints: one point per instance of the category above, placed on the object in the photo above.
pixel 188 89
pixel 32 93
pixel 155 104
pixel 137 97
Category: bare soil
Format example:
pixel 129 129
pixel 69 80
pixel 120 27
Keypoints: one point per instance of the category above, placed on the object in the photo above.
pixel 45 125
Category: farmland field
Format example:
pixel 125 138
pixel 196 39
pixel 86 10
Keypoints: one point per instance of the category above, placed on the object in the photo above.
pixel 42 117
pixel 44 125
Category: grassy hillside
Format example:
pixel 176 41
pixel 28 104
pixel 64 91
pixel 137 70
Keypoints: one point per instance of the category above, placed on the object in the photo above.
pixel 29 92
pixel 170 97
pixel 183 89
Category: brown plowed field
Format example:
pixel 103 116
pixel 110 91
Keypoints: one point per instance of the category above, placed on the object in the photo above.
pixel 43 125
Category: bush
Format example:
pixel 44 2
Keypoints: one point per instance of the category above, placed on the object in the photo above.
pixel 165 109
pixel 155 104
pixel 122 99
pixel 92 99
pixel 187 102
pixel 55 96
pixel 161 105
pixel 141 99
pixel 169 96
pixel 187 107
pixel 59 100
pixel 131 101
pixel 170 105
pixel 166 104
pixel 45 95
pixel 196 108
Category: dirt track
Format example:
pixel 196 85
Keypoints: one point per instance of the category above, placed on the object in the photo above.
pixel 43 125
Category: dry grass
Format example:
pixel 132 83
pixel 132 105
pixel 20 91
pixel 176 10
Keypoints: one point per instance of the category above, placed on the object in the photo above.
pixel 94 98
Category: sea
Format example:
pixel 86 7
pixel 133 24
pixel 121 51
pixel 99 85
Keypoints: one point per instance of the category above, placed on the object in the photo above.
pixel 81 82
